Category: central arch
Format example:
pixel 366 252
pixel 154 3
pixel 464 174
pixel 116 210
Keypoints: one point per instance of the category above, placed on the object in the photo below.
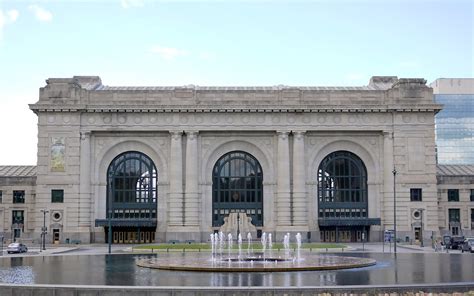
pixel 343 198
pixel 131 203
pixel 237 186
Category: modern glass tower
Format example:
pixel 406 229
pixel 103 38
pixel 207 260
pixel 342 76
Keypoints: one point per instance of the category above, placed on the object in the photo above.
pixel 455 123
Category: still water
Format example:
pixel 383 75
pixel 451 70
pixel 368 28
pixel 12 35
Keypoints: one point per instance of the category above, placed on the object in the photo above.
pixel 122 270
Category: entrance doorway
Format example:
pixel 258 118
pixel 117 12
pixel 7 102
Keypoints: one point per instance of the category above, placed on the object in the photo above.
pixel 132 235
pixel 55 236
pixel 343 234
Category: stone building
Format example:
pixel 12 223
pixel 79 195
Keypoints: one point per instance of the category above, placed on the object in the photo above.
pixel 177 163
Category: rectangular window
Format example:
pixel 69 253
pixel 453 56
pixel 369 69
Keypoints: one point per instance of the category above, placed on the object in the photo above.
pixel 415 194
pixel 454 215
pixel 18 217
pixel 18 196
pixel 1 196
pixel 453 194
pixel 57 195
pixel 472 194
pixel 472 218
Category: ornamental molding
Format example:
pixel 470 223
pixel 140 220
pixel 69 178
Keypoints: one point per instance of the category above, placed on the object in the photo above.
pixel 42 108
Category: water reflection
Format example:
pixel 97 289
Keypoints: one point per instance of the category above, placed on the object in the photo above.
pixel 122 270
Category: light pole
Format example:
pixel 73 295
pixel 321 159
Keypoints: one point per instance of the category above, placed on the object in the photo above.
pixel 110 229
pixel 238 225
pixel 44 229
pixel 421 228
pixel 394 212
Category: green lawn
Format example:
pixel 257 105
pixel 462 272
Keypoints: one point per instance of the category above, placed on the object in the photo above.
pixel 254 246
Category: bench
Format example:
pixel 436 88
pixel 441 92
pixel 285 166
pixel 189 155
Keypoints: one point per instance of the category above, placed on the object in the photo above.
pixel 173 241
pixel 189 241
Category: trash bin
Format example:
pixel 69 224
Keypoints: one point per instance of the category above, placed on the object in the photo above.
pixel 407 239
pixel 67 240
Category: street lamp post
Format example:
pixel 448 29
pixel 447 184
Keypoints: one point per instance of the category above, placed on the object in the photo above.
pixel 238 225
pixel 421 228
pixel 44 229
pixel 394 212
pixel 110 230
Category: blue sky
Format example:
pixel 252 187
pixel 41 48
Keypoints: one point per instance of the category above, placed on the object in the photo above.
pixel 140 42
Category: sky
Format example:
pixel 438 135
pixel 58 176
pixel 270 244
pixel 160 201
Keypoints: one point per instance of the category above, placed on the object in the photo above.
pixel 220 43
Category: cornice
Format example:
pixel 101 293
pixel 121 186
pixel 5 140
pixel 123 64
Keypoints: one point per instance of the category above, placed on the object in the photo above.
pixel 40 108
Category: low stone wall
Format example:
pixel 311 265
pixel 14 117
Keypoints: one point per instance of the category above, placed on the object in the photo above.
pixel 69 290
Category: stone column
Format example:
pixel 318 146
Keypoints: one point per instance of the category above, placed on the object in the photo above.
pixel 300 203
pixel 84 203
pixel 388 157
pixel 176 180
pixel 283 185
pixel 191 197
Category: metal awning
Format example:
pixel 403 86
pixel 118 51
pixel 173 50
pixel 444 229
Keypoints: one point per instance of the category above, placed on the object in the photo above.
pixel 348 222
pixel 126 223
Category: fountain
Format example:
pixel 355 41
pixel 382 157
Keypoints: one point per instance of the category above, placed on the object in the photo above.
pixel 254 262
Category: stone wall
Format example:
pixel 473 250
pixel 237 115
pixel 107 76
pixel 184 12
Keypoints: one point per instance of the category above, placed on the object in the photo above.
pixel 408 290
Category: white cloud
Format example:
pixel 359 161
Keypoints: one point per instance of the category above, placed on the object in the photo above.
pixel 168 53
pixel 207 56
pixel 12 15
pixel 131 3
pixel 41 14
pixel 7 18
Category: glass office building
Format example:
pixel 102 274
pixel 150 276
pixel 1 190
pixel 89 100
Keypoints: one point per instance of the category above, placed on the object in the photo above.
pixel 455 123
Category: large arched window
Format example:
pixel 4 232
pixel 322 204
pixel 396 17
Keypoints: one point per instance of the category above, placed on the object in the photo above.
pixel 237 187
pixel 132 187
pixel 342 186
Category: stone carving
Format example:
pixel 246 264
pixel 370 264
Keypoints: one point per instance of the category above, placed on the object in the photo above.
pixel 230 119
pixel 66 119
pixel 406 118
pixel 91 119
pixel 183 119
pixel 107 119
pixel 291 118
pixel 238 221
pixel 122 118
pixel 322 119
pixel 421 118
pixel 199 118
pixel 51 119
pixel 137 119
pixel 153 119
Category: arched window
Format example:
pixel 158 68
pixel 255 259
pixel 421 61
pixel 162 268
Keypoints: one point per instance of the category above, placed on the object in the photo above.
pixel 237 187
pixel 132 187
pixel 342 186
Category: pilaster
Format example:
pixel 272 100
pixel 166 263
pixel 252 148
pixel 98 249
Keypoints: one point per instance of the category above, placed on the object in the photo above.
pixel 191 197
pixel 300 217
pixel 283 184
pixel 176 180
pixel 84 206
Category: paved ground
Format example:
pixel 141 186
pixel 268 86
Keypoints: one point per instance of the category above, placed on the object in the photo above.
pixel 116 249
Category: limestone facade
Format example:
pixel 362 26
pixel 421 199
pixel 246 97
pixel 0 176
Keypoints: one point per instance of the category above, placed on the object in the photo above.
pixel 83 125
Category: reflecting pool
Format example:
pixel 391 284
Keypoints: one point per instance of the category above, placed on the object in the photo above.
pixel 122 270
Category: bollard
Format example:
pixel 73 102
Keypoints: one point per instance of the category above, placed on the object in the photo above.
pixel 310 250
pixel 167 250
pixel 326 250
